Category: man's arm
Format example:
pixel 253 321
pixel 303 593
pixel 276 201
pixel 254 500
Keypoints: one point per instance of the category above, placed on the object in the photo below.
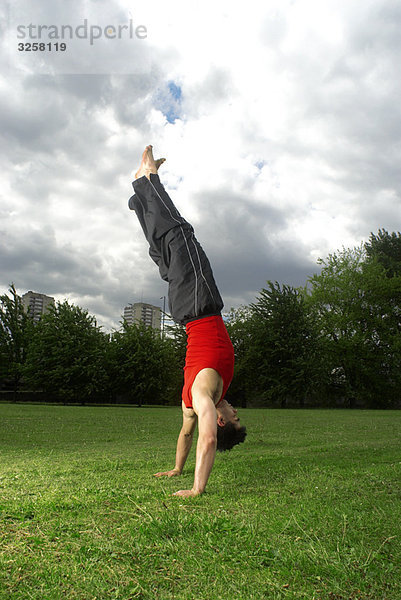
pixel 206 446
pixel 184 442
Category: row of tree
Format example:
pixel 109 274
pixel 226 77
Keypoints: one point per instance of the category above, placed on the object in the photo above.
pixel 337 341
pixel 68 358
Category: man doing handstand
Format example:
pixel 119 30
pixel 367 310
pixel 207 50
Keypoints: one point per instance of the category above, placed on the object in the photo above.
pixel 195 302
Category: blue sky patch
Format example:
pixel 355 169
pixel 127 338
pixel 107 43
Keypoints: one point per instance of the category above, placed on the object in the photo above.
pixel 168 101
pixel 175 91
pixel 260 164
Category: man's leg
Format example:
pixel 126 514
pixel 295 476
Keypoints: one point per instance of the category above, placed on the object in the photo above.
pixel 155 209
pixel 181 260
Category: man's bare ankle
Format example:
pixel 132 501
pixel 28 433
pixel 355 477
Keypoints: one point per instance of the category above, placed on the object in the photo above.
pixel 148 164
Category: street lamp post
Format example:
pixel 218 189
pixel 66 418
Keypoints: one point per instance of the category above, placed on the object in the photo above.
pixel 164 312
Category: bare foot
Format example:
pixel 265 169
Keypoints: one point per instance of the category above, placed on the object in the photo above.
pixel 148 164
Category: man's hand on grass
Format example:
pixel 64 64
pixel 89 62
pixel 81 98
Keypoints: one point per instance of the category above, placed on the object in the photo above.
pixel 186 493
pixel 171 473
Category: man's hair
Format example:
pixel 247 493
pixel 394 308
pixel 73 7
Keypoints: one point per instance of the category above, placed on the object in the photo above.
pixel 228 436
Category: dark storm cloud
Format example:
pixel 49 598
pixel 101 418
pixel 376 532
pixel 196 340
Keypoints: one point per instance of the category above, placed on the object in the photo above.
pixel 34 257
pixel 247 273
pixel 53 128
pixel 368 115
pixel 48 115
pixel 240 236
pixel 94 90
pixel 32 118
pixel 49 112
pixel 355 102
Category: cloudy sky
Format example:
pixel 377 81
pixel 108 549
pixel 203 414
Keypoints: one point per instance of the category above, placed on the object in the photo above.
pixel 280 121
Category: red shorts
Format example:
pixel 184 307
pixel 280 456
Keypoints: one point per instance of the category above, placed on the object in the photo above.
pixel 208 346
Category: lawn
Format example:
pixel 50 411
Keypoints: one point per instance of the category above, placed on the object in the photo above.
pixel 308 508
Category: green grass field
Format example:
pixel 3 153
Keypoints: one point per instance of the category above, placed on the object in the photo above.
pixel 308 508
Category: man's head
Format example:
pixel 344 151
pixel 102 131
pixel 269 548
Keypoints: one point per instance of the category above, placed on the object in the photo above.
pixel 229 430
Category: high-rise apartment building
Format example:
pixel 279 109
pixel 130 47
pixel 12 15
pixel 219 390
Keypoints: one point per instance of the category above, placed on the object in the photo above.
pixel 36 304
pixel 140 312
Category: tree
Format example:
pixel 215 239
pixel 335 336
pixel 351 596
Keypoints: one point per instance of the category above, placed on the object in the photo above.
pixel 142 364
pixel 356 306
pixel 280 356
pixel 177 335
pixel 15 332
pixel 66 356
pixel 386 248
pixel 239 327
